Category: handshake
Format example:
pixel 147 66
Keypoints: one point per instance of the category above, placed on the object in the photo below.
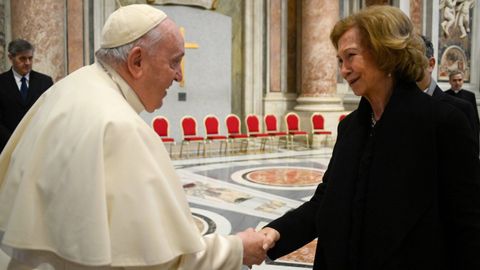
pixel 256 244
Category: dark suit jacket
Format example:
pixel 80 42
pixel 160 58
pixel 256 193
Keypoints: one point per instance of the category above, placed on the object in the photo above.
pixel 466 107
pixel 422 200
pixel 468 96
pixel 12 106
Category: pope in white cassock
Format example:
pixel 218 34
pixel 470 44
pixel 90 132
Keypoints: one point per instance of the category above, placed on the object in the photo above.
pixel 85 183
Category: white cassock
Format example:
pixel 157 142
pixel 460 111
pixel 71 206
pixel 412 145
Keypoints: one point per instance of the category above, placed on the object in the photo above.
pixel 85 183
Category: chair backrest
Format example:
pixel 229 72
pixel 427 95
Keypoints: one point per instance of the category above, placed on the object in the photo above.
pixel 292 121
pixel 189 125
pixel 253 124
pixel 342 116
pixel 160 125
pixel 233 124
pixel 270 122
pixel 317 121
pixel 211 124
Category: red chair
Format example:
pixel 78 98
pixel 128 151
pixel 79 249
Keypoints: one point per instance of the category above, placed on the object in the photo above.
pixel 161 126
pixel 271 128
pixel 342 116
pixel 234 125
pixel 189 129
pixel 211 124
pixel 255 131
pixel 292 122
pixel 318 127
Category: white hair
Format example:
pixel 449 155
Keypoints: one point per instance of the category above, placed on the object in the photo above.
pixel 119 55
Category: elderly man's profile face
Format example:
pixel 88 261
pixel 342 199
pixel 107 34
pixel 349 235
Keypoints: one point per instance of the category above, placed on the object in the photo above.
pixel 162 65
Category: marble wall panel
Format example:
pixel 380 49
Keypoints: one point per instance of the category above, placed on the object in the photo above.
pixel 43 24
pixel 3 48
pixel 75 28
pixel 292 67
pixel 275 44
pixel 416 15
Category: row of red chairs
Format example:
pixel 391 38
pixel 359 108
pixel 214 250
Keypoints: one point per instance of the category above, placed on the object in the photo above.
pixel 254 130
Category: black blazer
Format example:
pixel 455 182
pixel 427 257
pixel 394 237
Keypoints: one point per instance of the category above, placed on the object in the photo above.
pixel 468 96
pixel 422 204
pixel 12 106
pixel 466 107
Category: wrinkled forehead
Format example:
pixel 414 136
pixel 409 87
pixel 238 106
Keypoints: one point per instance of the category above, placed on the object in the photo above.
pixel 350 39
pixel 171 34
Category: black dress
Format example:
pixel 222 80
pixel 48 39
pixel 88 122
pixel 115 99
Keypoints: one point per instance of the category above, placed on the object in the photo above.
pixel 405 197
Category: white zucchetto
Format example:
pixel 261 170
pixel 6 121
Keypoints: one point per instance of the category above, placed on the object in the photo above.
pixel 129 23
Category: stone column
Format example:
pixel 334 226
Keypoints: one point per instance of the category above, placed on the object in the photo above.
pixel 319 65
pixel 416 15
pixel 318 58
pixel 75 37
pixel 43 24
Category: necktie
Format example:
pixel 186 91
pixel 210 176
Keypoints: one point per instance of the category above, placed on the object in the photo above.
pixel 24 88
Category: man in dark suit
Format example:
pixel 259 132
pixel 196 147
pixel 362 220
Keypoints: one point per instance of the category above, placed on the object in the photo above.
pixel 429 86
pixel 455 79
pixel 20 87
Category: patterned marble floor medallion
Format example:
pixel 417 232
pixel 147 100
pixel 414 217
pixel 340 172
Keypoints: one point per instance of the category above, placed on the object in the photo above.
pixel 303 256
pixel 280 177
pixel 209 222
pixel 204 224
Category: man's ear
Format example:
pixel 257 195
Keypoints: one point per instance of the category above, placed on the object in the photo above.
pixel 135 62
pixel 432 62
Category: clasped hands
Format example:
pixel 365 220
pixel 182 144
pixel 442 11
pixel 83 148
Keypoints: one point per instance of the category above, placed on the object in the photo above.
pixel 256 244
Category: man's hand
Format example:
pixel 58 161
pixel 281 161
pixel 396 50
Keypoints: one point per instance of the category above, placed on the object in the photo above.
pixel 253 251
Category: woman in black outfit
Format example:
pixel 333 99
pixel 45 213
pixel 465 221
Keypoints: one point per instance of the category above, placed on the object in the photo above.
pixel 402 190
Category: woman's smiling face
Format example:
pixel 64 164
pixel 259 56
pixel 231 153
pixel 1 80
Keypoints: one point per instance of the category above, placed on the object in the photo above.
pixel 357 64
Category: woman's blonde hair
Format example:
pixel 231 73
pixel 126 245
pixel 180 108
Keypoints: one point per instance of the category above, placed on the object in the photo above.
pixel 388 34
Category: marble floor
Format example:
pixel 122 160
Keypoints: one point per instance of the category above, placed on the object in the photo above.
pixel 231 193
pixel 228 194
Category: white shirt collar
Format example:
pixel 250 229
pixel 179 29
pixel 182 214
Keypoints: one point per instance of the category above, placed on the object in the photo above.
pixel 431 87
pixel 18 77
